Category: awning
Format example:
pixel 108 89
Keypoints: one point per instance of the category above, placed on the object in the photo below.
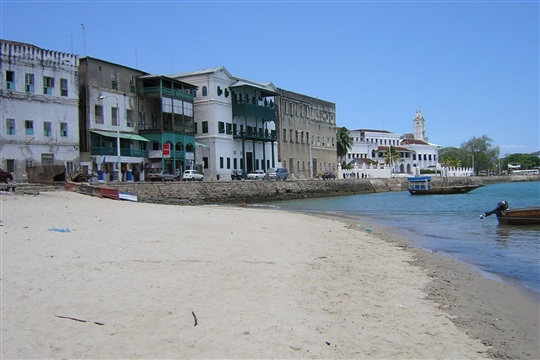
pixel 113 134
pixel 199 144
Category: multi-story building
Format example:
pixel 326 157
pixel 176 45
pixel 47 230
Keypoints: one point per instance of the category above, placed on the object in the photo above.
pixel 134 121
pixel 234 122
pixel 39 111
pixel 370 147
pixel 306 131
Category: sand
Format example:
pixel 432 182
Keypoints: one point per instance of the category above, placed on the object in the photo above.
pixel 90 278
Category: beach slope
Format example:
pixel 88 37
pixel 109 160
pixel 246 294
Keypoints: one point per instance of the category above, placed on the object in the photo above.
pixel 90 278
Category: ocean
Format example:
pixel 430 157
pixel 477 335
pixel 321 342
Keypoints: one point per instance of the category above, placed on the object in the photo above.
pixel 451 226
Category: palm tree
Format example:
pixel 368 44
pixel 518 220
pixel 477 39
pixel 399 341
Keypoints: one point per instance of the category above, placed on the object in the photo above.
pixel 343 142
pixel 392 156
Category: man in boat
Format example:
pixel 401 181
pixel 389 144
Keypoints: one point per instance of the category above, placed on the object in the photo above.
pixel 502 206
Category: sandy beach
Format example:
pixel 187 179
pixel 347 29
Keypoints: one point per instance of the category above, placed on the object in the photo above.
pixel 90 278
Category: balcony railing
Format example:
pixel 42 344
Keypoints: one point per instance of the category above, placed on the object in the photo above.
pixel 253 110
pixel 255 135
pixel 157 90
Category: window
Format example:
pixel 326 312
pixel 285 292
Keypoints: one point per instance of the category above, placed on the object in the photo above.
pixel 48 85
pixel 219 91
pixel 221 162
pixel 47 129
pixel 63 87
pixel 229 128
pixel 29 127
pixel 63 129
pixel 204 91
pixel 29 83
pixel 98 114
pixel 221 127
pixel 228 163
pixel 284 135
pixel 205 127
pixel 188 109
pixel 114 79
pixel 114 116
pixel 132 86
pixel 10 80
pixel 205 161
pixel 10 126
pixel 129 118
pixel 47 159
pixel 226 92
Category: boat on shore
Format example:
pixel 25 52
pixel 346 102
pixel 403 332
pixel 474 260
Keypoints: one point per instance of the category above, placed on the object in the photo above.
pixel 519 216
pixel 421 185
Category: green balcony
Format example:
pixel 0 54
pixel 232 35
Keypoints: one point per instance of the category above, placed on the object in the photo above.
pixel 254 111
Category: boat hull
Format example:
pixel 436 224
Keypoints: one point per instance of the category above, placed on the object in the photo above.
pixel 523 216
pixel 445 190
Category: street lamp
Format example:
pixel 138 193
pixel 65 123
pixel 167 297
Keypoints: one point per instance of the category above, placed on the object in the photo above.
pixel 119 156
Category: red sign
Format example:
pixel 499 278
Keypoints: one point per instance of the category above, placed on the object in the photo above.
pixel 166 150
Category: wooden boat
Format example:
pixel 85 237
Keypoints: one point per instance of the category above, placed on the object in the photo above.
pixel 421 185
pixel 519 216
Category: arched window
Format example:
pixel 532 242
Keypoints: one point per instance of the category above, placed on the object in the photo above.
pixel 204 91
pixel 189 148
pixel 179 146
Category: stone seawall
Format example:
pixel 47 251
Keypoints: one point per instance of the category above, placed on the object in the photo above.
pixel 239 192
pixel 249 192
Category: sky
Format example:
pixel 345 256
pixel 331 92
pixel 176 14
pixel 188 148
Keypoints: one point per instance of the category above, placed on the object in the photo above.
pixel 471 67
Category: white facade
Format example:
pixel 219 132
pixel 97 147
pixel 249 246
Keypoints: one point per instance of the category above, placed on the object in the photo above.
pixel 221 129
pixel 39 112
pixel 369 148
pixel 365 144
pixel 419 124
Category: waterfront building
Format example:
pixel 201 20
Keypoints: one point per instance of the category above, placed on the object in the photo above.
pixel 235 122
pixel 133 122
pixel 306 132
pixel 370 148
pixel 39 112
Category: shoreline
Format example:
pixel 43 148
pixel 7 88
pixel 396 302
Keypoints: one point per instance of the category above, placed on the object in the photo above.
pixel 329 289
pixel 503 314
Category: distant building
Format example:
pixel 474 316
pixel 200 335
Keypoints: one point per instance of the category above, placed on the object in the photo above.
pixel 235 122
pixel 306 129
pixel 39 113
pixel 370 148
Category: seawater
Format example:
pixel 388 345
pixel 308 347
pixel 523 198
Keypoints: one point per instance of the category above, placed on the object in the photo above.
pixel 451 225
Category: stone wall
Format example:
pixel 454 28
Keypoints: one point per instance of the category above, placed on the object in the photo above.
pixel 249 192
pixel 239 192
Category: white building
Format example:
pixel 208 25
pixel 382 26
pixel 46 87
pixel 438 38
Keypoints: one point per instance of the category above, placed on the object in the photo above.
pixel 370 148
pixel 234 121
pixel 39 112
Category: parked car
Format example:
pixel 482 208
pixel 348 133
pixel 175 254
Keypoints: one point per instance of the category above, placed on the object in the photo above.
pixel 256 175
pixel 6 176
pixel 192 175
pixel 162 176
pixel 238 174
pixel 277 173
pixel 328 175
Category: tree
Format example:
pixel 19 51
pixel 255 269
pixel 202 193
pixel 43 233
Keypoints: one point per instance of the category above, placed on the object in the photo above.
pixel 392 156
pixel 527 161
pixel 343 142
pixel 450 157
pixel 484 154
